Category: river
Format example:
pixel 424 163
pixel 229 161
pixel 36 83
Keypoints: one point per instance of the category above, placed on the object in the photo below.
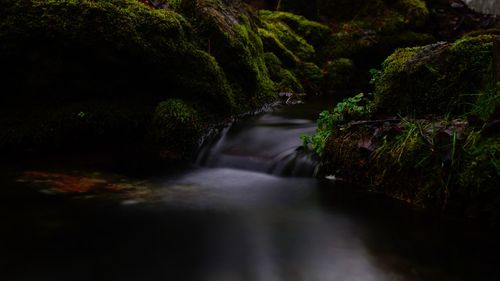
pixel 485 6
pixel 248 210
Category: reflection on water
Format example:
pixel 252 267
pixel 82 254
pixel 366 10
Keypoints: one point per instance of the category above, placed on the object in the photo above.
pixel 226 223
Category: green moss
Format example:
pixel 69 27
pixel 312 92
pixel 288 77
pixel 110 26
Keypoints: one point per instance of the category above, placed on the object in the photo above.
pixel 437 78
pixel 313 32
pixel 274 45
pixel 311 77
pixel 399 76
pixel 491 31
pixel 284 35
pixel 371 41
pixel 284 79
pixel 414 11
pixel 452 167
pixel 479 177
pixel 289 83
pixel 175 130
pixel 340 75
pixel 173 4
pixel 109 124
pixel 122 42
pixel 229 34
pixel 291 40
pixel 69 52
pixel 481 170
pixel 487 103
pixel 273 64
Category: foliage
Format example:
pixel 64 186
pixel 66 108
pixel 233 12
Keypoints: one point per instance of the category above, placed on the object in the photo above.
pixel 487 102
pixel 345 111
pixel 452 156
pixel 481 169
pixel 432 148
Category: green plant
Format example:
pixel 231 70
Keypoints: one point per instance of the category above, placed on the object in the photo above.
pixel 349 109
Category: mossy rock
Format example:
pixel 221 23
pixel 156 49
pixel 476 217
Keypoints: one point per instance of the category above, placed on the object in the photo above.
pixel 439 78
pixel 415 12
pixel 311 77
pixel 285 80
pixel 340 75
pixel 273 64
pixel 81 49
pixel 68 53
pixel 369 31
pixel 370 41
pixel 228 32
pixel 291 40
pixel 174 131
pixel 479 177
pixel 313 32
pixel 273 45
pixel 481 168
pixel 108 125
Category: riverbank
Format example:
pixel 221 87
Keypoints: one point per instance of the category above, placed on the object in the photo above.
pixel 429 133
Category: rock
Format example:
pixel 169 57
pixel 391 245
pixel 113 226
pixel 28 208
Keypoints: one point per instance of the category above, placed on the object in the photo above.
pixel 340 75
pixel 124 57
pixel 174 131
pixel 434 78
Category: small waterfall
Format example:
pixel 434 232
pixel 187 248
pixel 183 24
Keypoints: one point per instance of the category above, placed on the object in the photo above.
pixel 268 143
pixel 485 6
pixel 297 163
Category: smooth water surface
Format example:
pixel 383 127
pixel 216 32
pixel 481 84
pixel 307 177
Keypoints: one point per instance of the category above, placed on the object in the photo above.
pixel 228 219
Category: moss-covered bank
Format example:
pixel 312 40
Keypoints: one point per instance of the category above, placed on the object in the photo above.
pixel 93 72
pixel 429 133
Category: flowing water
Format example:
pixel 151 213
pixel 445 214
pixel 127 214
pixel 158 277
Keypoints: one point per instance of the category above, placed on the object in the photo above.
pixel 247 211
pixel 485 6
